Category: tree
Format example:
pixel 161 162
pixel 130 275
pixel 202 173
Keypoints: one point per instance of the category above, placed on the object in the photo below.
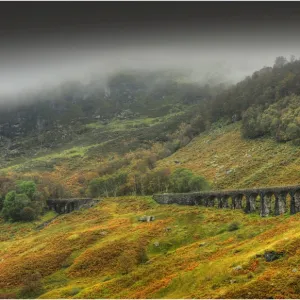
pixel 183 181
pixel 292 58
pixel 198 183
pixel 280 61
pixel 107 185
pixel 251 123
pixel 13 206
pixel 26 187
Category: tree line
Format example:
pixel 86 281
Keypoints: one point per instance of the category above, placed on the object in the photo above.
pixel 160 180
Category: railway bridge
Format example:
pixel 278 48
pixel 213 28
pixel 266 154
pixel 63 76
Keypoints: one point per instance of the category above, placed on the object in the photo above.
pixel 264 200
pixel 63 206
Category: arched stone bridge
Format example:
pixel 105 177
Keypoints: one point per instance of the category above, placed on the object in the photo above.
pixel 63 206
pixel 265 201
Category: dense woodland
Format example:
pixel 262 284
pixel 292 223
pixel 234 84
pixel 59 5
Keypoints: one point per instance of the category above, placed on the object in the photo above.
pixel 163 112
pixel 266 102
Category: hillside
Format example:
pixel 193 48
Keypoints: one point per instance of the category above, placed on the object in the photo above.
pixel 187 252
pixel 230 161
pixel 64 138
pixel 120 142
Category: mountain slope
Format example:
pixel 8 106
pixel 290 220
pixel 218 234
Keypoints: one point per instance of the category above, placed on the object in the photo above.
pixel 187 252
pixel 230 161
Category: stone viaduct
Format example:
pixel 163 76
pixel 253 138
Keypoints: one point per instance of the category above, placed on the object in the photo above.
pixel 63 206
pixel 265 200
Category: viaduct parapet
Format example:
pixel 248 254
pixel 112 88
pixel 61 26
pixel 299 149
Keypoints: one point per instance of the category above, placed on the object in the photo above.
pixel 265 200
pixel 63 206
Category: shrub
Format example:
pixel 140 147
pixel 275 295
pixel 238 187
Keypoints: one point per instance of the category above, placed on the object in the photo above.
pixel 27 214
pixel 74 291
pixel 32 286
pixel 233 226
pixel 126 261
pixel 142 256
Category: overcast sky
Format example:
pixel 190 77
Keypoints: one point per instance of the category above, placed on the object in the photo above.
pixel 45 43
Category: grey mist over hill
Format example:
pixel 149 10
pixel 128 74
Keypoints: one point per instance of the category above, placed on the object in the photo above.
pixel 35 67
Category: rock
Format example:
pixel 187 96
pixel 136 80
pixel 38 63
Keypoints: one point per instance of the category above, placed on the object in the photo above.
pixel 156 244
pixel 176 161
pixel 238 268
pixel 202 244
pixel 146 218
pixel 232 281
pixel 272 255
pixel 295 270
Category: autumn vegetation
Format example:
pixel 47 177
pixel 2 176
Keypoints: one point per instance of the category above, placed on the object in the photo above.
pixel 149 133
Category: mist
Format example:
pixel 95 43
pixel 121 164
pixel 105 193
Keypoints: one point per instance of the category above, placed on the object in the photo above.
pixel 35 57
pixel 42 68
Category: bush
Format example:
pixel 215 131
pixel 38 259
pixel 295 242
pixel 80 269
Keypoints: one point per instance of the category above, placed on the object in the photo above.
pixel 233 226
pixel 32 286
pixel 126 261
pixel 27 214
pixel 73 291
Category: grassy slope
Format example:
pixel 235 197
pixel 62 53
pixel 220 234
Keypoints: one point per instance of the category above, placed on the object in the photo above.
pixel 229 161
pixel 75 163
pixel 77 253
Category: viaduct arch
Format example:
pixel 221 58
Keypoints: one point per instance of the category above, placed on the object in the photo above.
pixel 265 200
pixel 63 206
